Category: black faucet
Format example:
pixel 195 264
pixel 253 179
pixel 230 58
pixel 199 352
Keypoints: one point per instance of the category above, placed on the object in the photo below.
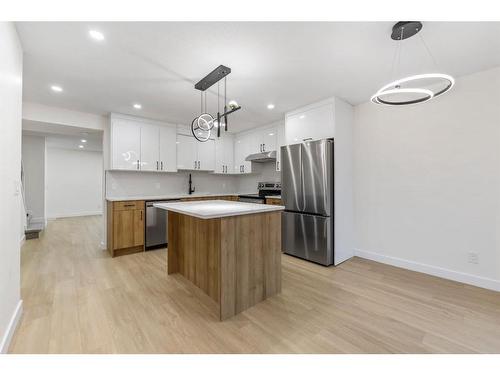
pixel 191 189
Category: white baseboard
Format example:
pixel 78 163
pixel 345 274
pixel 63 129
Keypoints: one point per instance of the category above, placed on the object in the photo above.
pixel 466 278
pixel 88 213
pixel 11 328
pixel 22 240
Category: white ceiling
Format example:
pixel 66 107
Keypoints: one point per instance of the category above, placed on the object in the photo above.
pixel 288 64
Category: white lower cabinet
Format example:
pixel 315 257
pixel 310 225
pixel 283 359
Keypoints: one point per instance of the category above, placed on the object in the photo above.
pixel 194 155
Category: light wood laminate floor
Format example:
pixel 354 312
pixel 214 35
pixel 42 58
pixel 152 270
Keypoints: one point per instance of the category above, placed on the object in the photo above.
pixel 79 300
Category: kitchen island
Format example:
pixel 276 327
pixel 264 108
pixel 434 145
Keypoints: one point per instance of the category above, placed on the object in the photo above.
pixel 230 250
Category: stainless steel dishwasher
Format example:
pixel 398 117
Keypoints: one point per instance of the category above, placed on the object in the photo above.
pixel 156 225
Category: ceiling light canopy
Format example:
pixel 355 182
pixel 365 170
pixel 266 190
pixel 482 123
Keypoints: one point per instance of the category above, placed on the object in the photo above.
pixel 97 35
pixel 270 106
pixel 413 89
pixel 137 106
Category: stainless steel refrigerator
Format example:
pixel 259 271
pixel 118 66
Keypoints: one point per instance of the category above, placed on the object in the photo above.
pixel 307 193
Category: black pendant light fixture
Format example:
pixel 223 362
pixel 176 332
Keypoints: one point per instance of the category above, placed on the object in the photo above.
pixel 413 89
pixel 202 125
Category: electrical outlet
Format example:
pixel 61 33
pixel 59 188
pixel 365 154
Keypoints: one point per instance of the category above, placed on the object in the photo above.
pixel 473 258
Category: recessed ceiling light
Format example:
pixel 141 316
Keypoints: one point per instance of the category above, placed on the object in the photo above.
pixel 270 106
pixel 56 88
pixel 137 106
pixel 80 146
pixel 97 35
pixel 83 140
pixel 302 116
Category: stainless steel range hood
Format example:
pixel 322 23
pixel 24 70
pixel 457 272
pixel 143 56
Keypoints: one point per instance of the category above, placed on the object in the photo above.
pixel 262 157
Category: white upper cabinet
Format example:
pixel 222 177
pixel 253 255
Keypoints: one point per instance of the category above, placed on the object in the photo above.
pixel 244 145
pixel 194 155
pixel 268 137
pixel 224 154
pixel 142 145
pixel 187 157
pixel 168 149
pixel 150 150
pixel 206 155
pixel 310 123
pixel 125 144
pixel 280 141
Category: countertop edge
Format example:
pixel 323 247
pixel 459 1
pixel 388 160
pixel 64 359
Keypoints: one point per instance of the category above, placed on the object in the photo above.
pixel 268 208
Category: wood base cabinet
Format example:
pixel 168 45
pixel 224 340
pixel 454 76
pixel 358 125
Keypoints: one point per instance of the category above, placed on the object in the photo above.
pixel 125 227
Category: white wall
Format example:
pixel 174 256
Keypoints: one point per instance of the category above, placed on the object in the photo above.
pixel 43 114
pixel 33 156
pixel 10 171
pixel 427 182
pixel 74 182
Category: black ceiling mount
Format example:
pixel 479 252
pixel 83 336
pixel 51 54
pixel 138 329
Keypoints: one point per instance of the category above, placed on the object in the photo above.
pixel 405 28
pixel 213 77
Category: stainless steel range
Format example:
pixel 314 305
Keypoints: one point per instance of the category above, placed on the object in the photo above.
pixel 265 189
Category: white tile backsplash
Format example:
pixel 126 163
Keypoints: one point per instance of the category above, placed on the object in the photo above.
pixel 132 184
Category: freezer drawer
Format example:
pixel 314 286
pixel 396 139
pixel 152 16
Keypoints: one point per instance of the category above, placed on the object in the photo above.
pixel 308 236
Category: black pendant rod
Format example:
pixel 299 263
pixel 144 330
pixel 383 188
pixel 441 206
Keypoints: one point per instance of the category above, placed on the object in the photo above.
pixel 225 104
pixel 218 111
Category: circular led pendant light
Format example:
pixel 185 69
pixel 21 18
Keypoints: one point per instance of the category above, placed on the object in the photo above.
pixel 412 89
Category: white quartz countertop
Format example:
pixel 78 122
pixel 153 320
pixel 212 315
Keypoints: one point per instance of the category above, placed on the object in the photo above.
pixel 217 208
pixel 169 196
pixel 273 196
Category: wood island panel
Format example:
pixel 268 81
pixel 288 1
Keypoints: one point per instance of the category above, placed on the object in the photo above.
pixel 235 260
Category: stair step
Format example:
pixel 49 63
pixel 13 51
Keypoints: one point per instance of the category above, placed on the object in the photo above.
pixel 33 231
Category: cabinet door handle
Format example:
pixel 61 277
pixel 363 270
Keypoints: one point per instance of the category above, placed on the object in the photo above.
pixel 195 164
pixel 199 164
pixel 161 165
pixel 137 164
pixel 141 215
pixel 264 147
pixel 157 165
pixel 278 165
